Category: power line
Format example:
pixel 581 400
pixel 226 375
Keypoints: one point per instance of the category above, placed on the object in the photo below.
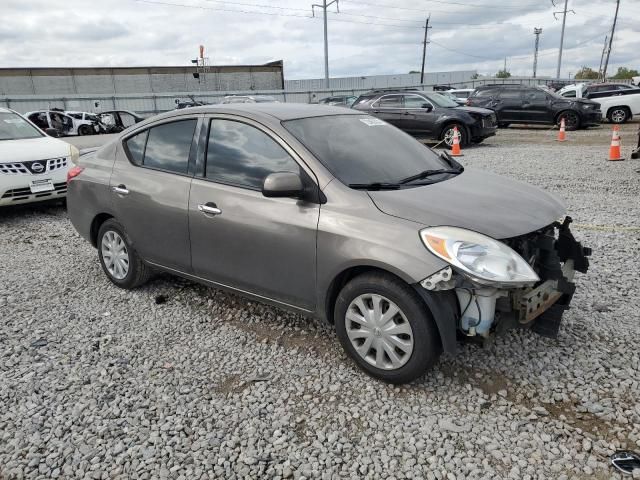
pixel 444 2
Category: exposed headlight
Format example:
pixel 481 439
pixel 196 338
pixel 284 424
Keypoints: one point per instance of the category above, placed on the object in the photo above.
pixel 483 259
pixel 74 154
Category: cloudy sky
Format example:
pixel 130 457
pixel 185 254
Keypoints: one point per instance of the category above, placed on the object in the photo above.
pixel 367 37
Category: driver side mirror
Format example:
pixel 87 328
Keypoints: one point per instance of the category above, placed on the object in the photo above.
pixel 283 185
pixel 427 107
pixel 52 132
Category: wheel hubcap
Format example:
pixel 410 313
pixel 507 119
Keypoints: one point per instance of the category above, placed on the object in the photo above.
pixel 448 136
pixel 618 116
pixel 115 255
pixel 379 331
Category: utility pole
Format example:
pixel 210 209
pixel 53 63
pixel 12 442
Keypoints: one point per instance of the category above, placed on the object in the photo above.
pixel 424 49
pixel 613 30
pixel 564 21
pixel 536 32
pixel 324 8
pixel 604 50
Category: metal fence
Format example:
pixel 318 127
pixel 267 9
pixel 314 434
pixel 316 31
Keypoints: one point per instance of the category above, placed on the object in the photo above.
pixel 152 103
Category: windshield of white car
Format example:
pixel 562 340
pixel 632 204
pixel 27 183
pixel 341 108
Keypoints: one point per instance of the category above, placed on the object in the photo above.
pixel 14 127
pixel 362 150
pixel 440 100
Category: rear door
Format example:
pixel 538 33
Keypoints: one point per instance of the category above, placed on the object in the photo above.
pixel 536 106
pixel 508 105
pixel 150 186
pixel 263 246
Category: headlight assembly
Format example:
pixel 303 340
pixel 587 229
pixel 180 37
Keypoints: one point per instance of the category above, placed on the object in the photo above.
pixel 483 259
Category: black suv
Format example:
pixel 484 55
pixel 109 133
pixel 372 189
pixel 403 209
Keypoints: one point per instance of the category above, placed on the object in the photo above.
pixel 428 115
pixel 519 104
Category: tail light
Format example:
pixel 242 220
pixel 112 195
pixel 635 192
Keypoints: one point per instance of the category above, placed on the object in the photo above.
pixel 74 172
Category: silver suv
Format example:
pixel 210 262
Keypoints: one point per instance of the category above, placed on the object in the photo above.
pixel 331 213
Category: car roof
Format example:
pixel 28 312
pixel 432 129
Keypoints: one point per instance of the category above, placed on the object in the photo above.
pixel 280 111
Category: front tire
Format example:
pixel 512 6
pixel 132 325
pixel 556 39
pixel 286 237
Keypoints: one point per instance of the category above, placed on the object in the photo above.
pixel 447 135
pixel 84 130
pixel 386 328
pixel 120 262
pixel 571 120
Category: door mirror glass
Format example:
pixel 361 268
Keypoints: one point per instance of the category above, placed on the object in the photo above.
pixel 283 184
pixel 52 132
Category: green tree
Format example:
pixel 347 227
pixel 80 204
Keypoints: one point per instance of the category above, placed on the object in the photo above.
pixel 503 74
pixel 625 73
pixel 586 73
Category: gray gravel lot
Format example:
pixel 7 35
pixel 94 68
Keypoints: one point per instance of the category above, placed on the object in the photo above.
pixel 100 383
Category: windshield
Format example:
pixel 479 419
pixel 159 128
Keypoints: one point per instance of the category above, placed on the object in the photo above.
pixel 359 149
pixel 440 100
pixel 14 127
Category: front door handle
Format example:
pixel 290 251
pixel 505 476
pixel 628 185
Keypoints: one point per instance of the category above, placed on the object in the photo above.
pixel 120 190
pixel 209 208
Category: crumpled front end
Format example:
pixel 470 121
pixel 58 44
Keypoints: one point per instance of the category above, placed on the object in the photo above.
pixel 553 253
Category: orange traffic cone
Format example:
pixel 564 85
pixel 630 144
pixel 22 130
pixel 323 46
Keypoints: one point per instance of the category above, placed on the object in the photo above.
pixel 455 148
pixel 562 136
pixel 614 150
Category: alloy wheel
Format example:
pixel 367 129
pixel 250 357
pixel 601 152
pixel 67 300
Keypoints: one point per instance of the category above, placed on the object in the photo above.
pixel 448 136
pixel 115 255
pixel 379 331
pixel 618 116
pixel 570 120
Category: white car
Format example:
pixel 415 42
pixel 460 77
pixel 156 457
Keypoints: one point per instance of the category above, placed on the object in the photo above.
pixel 33 166
pixel 65 124
pixel 461 93
pixel 618 102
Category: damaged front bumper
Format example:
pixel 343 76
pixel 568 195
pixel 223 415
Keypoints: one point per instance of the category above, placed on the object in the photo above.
pixel 553 253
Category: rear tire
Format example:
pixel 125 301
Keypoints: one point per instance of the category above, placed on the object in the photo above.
pixel 120 262
pixel 408 339
pixel 619 115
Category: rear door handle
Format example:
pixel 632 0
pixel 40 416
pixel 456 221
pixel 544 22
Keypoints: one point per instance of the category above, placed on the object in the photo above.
pixel 209 208
pixel 120 190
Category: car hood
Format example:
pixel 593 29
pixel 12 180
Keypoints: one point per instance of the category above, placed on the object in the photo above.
pixel 41 148
pixel 479 110
pixel 480 201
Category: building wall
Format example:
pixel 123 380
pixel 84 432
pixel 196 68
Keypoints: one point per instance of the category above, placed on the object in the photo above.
pixel 91 81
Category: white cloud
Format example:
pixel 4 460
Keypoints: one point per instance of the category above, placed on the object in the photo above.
pixel 132 33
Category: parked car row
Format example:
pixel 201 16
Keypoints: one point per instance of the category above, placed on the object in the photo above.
pixel 619 101
pixel 83 123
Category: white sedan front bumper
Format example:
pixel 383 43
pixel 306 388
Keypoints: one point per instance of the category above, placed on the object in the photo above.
pixel 26 182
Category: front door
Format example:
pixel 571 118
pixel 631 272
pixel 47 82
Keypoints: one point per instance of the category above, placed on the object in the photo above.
pixel 390 109
pixel 240 238
pixel 419 117
pixel 150 186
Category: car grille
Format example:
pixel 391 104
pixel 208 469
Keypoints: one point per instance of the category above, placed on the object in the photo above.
pixel 37 167
pixel 18 194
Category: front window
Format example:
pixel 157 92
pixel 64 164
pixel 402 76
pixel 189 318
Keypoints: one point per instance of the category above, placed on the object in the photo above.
pixel 14 127
pixel 241 155
pixel 359 149
pixel 440 100
pixel 415 101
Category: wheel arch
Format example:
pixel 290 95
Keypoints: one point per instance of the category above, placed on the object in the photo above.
pixel 96 223
pixel 443 306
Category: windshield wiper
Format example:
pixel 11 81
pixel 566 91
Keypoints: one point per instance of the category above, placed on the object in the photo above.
pixel 374 186
pixel 429 173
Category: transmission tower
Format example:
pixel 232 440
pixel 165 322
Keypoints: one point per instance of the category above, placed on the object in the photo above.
pixel 536 32
pixel 325 5
pixel 613 31
pixel 564 21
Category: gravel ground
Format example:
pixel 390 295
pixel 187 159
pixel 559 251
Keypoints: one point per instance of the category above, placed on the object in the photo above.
pixel 96 382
